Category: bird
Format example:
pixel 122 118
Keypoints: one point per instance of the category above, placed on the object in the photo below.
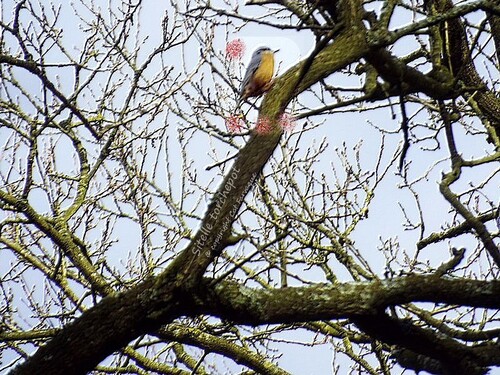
pixel 259 74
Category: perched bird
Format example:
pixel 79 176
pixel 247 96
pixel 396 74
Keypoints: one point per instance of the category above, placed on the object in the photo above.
pixel 259 75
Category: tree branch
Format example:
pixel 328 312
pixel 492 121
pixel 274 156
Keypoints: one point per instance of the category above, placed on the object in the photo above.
pixel 32 67
pixel 231 300
pixel 81 345
pixel 216 344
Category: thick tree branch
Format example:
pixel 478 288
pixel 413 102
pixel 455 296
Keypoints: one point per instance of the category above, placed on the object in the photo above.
pixel 494 21
pixel 457 58
pixel 409 79
pixel 81 345
pixel 452 356
pixel 100 331
pixel 240 304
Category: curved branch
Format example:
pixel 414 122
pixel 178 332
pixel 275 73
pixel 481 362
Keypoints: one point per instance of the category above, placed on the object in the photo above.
pixel 455 231
pixel 32 67
pixel 216 344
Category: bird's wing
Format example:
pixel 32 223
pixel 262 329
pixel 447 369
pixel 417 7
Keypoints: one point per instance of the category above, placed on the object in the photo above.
pixel 252 67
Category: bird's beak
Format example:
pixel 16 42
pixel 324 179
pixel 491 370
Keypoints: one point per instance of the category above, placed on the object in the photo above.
pixel 276 50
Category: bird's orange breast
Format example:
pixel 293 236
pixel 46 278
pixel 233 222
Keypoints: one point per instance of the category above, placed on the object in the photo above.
pixel 265 71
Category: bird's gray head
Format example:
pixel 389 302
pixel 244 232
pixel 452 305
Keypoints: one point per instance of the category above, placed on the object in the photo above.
pixel 260 50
